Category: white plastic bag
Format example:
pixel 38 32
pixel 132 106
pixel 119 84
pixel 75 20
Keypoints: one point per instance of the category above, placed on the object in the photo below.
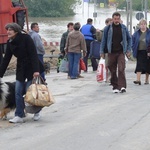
pixel 101 71
pixel 64 65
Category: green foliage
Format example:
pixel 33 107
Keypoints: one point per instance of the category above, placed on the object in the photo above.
pixel 51 8
pixel 136 4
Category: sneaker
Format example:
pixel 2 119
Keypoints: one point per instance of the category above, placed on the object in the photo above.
pixel 36 117
pixel 115 91
pixel 16 119
pixel 123 90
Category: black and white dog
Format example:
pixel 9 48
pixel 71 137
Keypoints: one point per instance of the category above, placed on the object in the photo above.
pixel 7 98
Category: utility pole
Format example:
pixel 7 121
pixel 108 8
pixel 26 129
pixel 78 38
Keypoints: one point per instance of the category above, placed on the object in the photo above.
pixel 129 15
pixel 145 8
pixel 88 9
pixel 94 13
pixel 82 7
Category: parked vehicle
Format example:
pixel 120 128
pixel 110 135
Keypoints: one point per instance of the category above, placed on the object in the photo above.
pixel 11 11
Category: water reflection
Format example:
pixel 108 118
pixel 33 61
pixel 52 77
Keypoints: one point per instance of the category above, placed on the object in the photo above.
pixel 51 29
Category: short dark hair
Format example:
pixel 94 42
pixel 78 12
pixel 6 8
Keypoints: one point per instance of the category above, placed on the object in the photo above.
pixel 89 20
pixel 14 26
pixel 116 14
pixel 70 24
pixel 33 25
pixel 108 20
pixel 77 26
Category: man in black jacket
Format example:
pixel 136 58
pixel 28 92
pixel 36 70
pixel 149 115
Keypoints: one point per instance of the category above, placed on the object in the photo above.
pixel 64 37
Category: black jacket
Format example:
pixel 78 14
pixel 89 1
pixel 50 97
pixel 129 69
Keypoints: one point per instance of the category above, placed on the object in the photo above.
pixel 23 48
pixel 63 41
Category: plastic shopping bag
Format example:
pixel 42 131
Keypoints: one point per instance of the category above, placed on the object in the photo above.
pixel 64 65
pixel 82 64
pixel 101 71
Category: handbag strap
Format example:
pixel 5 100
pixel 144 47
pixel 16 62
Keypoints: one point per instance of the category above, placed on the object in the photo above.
pixel 38 80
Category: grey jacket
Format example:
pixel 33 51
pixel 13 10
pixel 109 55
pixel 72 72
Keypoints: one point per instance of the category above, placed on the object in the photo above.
pixel 37 41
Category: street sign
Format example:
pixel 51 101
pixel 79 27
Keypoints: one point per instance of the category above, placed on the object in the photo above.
pixel 139 16
pixel 102 5
pixel 94 14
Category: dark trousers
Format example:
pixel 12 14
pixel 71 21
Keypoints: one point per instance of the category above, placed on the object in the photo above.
pixel 41 60
pixel 93 60
pixel 116 62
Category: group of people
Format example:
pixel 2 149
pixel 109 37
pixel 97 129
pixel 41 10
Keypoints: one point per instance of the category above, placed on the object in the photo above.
pixel 29 51
pixel 75 43
pixel 119 44
pixel 116 43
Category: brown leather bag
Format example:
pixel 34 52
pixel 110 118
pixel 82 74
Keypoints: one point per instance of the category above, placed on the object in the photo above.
pixel 38 94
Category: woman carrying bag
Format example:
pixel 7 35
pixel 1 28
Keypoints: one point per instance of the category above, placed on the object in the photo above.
pixel 22 47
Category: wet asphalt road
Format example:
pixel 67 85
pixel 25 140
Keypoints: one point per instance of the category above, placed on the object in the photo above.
pixel 85 116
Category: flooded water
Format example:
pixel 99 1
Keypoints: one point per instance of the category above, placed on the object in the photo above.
pixel 51 29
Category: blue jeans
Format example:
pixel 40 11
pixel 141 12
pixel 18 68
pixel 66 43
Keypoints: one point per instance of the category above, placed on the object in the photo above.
pixel 40 56
pixel 74 59
pixel 20 88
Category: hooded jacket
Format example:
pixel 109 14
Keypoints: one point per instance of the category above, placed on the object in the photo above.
pixel 75 42
pixel 63 41
pixel 37 41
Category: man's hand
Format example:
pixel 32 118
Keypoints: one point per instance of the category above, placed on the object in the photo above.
pixel 148 54
pixel 84 54
pixel 102 56
pixel 128 54
pixel 36 74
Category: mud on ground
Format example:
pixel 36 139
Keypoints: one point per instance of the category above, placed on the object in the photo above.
pixel 53 62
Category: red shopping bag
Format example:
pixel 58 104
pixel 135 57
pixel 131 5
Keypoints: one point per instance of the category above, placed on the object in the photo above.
pixel 101 71
pixel 82 65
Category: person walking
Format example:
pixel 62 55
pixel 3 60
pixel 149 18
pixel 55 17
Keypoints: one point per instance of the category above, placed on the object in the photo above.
pixel 117 49
pixel 140 47
pixel 108 21
pixel 38 44
pixel 89 32
pixel 64 37
pixel 22 47
pixel 75 43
